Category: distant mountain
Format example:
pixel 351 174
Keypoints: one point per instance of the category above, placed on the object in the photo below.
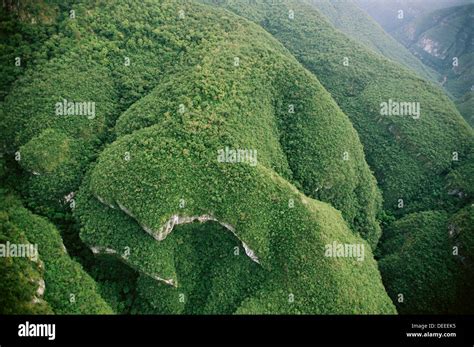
pixel 436 32
pixel 350 19
pixel 444 41
pixel 386 12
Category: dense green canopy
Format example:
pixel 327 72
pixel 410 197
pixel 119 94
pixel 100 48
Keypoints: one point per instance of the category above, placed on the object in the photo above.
pixel 67 288
pixel 190 160
pixel 409 155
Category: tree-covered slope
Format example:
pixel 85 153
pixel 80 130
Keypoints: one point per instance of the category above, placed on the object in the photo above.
pixel 24 27
pixel 173 141
pixel 104 78
pixel 22 285
pixel 175 86
pixel 214 274
pixel 410 155
pixel 387 12
pixel 193 163
pixel 422 163
pixel 427 264
pixel 465 106
pixel 60 284
pixel 444 40
pixel 354 22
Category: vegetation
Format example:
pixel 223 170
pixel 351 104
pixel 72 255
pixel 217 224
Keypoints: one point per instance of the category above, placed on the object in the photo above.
pixel 24 27
pixel 68 289
pixel 465 106
pixel 409 156
pixel 427 262
pixel 202 251
pixel 21 277
pixel 443 40
pixel 405 153
pixel 116 137
pixel 435 32
pixel 354 22
pixel 173 156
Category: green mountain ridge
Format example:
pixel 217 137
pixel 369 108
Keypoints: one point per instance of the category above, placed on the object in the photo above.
pixel 67 288
pixel 213 151
pixel 347 17
pixel 172 139
pixel 444 40
pixel 399 150
pixel 396 157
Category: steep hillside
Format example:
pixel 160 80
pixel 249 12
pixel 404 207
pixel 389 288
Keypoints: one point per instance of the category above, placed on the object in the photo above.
pixel 53 283
pixel 428 262
pixel 465 106
pixel 350 19
pixel 177 89
pixel 387 12
pixel 209 157
pixel 410 154
pixel 406 152
pixel 22 278
pixel 33 127
pixel 24 27
pixel 444 40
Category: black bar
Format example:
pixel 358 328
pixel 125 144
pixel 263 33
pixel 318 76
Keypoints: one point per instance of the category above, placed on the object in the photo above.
pixel 291 330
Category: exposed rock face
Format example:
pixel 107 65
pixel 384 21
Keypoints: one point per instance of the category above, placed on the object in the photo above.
pixel 97 250
pixel 167 228
pixel 429 46
pixel 38 297
pixel 102 250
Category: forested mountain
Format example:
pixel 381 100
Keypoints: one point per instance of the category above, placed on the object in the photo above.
pixel 406 153
pixel 402 158
pixel 207 157
pixel 440 34
pixel 444 40
pixel 387 12
pixel 194 86
pixel 51 283
pixel 354 22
